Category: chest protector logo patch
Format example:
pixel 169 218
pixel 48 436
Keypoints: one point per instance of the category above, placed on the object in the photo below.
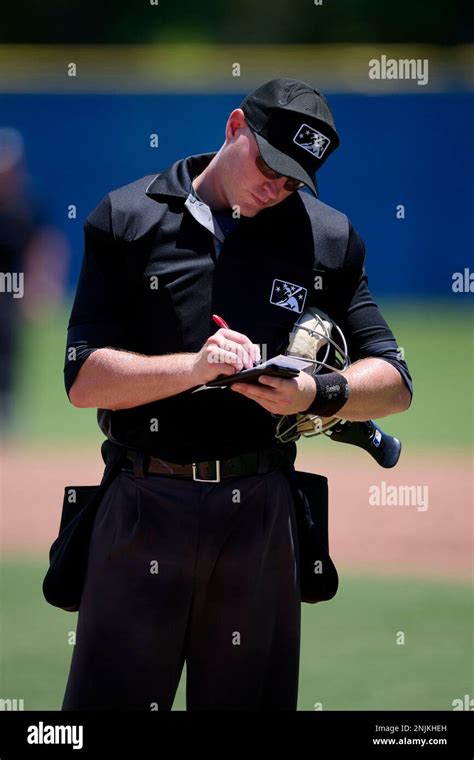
pixel 288 295
pixel 311 140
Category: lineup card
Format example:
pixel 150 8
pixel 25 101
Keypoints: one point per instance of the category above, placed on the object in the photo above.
pixel 277 366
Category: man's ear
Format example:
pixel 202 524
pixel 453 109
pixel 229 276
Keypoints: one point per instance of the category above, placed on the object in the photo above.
pixel 235 122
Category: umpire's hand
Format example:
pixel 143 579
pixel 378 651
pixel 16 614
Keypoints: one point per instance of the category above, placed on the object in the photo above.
pixel 278 395
pixel 225 353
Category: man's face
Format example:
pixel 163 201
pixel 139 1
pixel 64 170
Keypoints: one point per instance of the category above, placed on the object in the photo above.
pixel 243 183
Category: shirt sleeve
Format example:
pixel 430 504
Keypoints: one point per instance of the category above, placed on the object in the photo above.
pixel 366 331
pixel 101 310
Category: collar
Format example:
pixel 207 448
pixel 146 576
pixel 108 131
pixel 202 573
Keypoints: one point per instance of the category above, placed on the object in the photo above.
pixel 203 214
pixel 176 180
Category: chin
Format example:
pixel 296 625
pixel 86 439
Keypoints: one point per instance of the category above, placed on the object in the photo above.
pixel 250 212
pixel 249 209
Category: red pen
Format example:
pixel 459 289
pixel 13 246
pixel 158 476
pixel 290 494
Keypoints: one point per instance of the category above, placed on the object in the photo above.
pixel 219 321
pixel 222 323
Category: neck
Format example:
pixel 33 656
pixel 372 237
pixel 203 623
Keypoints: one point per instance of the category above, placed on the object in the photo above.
pixel 208 186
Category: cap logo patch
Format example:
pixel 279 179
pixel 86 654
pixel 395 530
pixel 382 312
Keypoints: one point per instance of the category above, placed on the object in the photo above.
pixel 311 140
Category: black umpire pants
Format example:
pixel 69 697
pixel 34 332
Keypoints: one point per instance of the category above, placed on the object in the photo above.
pixel 203 573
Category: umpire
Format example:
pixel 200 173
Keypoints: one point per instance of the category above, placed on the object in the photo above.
pixel 193 555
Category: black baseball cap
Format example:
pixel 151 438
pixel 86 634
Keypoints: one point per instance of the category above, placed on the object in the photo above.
pixel 293 126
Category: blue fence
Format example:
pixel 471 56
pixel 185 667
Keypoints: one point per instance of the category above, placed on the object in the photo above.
pixel 410 150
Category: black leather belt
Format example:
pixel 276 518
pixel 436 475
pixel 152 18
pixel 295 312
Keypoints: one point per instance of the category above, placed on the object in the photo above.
pixel 252 463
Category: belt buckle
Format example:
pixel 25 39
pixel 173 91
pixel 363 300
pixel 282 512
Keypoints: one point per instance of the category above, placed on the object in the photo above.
pixel 217 479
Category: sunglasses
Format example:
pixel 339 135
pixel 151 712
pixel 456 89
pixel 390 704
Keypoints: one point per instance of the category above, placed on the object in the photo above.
pixel 291 184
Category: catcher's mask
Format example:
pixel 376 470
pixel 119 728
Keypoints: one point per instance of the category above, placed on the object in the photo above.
pixel 316 338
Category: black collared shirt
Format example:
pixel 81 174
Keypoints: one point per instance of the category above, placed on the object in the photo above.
pixel 156 268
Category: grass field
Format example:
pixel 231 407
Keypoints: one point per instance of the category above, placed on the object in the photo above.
pixel 350 657
pixel 438 343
